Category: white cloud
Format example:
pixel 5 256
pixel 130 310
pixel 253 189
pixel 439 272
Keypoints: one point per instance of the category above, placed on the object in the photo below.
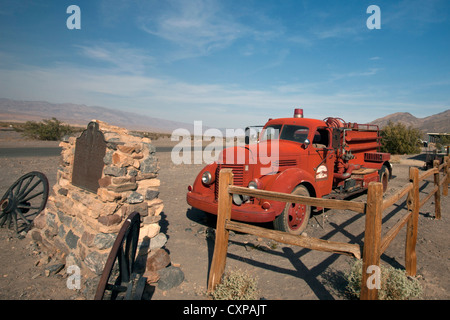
pixel 199 27
pixel 217 105
pixel 120 56
pixel 352 74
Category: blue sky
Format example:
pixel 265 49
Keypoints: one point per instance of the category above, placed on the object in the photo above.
pixel 230 63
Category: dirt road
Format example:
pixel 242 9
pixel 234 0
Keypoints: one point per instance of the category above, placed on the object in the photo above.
pixel 284 272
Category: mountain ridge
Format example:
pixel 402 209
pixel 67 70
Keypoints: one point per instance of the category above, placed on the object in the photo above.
pixel 436 123
pixel 78 114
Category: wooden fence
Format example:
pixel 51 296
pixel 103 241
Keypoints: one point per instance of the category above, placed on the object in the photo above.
pixel 374 243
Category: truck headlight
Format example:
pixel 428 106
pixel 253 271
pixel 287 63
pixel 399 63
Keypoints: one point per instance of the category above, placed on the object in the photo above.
pixel 207 178
pixel 255 184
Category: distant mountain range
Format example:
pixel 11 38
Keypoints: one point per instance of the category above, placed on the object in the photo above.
pixel 437 123
pixel 75 114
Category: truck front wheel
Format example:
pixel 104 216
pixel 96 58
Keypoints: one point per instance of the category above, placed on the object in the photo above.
pixel 294 218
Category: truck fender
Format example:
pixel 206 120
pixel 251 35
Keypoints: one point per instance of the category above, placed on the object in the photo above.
pixel 286 181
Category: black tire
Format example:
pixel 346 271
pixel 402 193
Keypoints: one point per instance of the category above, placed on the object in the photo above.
pixel 384 177
pixel 294 218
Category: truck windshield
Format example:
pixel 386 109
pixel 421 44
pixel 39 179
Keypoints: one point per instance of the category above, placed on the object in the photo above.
pixel 294 133
pixel 288 132
pixel 271 132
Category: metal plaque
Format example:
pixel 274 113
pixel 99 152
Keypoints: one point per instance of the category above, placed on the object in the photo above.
pixel 90 149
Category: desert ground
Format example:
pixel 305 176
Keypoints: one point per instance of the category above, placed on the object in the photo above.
pixel 284 272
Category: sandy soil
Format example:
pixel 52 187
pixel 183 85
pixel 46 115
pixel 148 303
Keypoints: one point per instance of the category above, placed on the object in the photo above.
pixel 284 272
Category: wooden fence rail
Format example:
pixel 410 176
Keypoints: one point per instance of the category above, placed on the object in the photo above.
pixel 374 243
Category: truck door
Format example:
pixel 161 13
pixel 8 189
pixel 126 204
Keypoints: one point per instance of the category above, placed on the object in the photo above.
pixel 321 159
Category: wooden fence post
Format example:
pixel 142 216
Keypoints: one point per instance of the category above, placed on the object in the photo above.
pixel 372 243
pixel 446 175
pixel 413 221
pixel 221 243
pixel 437 194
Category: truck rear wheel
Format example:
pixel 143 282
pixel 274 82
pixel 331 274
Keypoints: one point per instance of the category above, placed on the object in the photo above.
pixel 294 218
pixel 384 177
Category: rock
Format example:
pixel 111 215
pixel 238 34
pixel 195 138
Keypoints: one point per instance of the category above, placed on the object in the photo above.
pixel 71 240
pixel 104 182
pixel 40 221
pixel 148 231
pixel 152 276
pixel 121 159
pixel 170 277
pixel 63 191
pixel 95 262
pixel 151 194
pixel 142 208
pixel 129 186
pixel 43 260
pixel 148 146
pixel 135 197
pixel 114 171
pixel 121 180
pixel 158 241
pixel 104 240
pixel 107 159
pixel 65 219
pixel 149 165
pixel 36 276
pixel 149 183
pixel 108 196
pixel 53 269
pixel 151 219
pixel 128 148
pixel 159 260
pixel 110 220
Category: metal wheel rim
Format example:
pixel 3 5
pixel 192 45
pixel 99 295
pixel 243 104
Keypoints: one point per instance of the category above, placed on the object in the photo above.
pixel 118 274
pixel 296 215
pixel 24 200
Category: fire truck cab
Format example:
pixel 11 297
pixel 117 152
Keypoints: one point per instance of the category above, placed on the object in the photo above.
pixel 318 158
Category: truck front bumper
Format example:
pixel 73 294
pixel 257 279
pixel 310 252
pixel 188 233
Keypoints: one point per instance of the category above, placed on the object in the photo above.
pixel 247 212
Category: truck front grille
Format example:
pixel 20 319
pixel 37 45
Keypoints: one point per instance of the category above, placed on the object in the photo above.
pixel 238 176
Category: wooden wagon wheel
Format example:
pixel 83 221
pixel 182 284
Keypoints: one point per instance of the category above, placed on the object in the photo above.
pixel 24 200
pixel 119 279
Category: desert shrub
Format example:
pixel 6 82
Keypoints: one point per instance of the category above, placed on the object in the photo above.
pixel 237 285
pixel 395 284
pixel 442 142
pixel 398 139
pixel 48 129
pixel 153 135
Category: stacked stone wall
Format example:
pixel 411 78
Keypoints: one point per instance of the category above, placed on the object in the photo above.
pixel 83 225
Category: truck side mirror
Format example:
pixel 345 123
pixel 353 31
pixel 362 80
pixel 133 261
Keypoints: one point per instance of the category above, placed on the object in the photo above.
pixel 247 136
pixel 306 143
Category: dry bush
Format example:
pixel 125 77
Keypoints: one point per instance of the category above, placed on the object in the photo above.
pixel 395 284
pixel 237 285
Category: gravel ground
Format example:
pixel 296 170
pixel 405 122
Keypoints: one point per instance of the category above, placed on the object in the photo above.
pixel 284 272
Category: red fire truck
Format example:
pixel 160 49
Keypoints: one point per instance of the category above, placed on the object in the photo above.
pixel 327 158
